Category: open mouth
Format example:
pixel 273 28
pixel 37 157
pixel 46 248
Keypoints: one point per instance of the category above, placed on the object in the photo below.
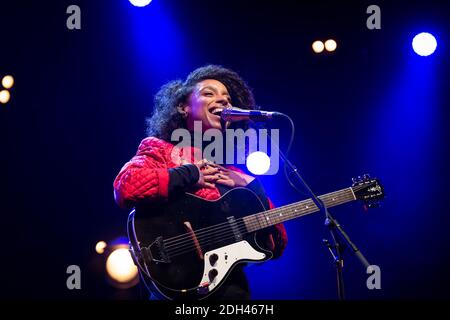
pixel 216 111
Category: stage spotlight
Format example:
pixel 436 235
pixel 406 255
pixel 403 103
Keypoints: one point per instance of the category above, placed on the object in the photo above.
pixel 140 3
pixel 330 45
pixel 121 269
pixel 424 44
pixel 7 82
pixel 100 247
pixel 318 46
pixel 258 163
pixel 4 96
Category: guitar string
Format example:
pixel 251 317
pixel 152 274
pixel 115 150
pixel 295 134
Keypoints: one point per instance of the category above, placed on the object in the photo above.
pixel 272 212
pixel 252 223
pixel 255 220
pixel 307 202
pixel 206 243
pixel 243 229
pixel 192 247
pixel 329 195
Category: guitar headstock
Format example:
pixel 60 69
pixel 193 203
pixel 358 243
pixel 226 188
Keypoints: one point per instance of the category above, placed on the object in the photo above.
pixel 368 189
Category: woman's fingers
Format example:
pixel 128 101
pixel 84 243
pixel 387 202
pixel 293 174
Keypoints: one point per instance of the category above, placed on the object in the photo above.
pixel 202 163
pixel 211 178
pixel 221 168
pixel 215 174
pixel 225 181
pixel 209 171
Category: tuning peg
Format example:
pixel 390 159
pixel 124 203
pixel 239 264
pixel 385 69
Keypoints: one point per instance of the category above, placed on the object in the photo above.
pixel 366 176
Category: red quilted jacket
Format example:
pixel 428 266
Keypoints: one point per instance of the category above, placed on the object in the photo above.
pixel 146 176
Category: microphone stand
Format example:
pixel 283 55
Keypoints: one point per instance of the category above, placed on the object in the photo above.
pixel 339 237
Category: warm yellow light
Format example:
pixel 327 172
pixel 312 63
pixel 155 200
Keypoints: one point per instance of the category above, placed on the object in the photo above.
pixel 120 266
pixel 330 45
pixel 100 247
pixel 4 96
pixel 318 46
pixel 7 82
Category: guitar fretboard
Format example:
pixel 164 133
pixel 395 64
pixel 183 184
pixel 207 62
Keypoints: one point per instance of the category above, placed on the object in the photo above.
pixel 274 216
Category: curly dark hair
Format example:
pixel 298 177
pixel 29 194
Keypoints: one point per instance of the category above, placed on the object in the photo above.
pixel 166 117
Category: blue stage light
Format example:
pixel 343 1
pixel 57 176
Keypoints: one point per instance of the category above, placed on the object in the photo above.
pixel 140 3
pixel 424 44
pixel 258 163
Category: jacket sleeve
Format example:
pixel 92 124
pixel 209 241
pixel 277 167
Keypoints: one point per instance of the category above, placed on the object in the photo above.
pixel 145 176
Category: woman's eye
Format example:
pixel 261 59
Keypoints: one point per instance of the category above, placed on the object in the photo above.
pixel 208 94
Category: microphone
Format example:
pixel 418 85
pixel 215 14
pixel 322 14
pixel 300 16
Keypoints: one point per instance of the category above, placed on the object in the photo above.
pixel 237 114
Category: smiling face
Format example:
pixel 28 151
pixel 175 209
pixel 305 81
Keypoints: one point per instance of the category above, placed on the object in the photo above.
pixel 205 103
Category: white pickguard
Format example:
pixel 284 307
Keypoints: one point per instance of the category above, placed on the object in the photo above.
pixel 227 256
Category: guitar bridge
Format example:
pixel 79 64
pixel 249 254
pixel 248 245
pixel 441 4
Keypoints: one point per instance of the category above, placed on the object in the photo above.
pixel 155 252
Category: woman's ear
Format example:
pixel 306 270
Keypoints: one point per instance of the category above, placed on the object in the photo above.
pixel 183 109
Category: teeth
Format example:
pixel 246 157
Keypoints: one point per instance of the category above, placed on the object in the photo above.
pixel 216 111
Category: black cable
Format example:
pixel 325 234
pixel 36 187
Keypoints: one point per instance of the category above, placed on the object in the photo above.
pixel 291 142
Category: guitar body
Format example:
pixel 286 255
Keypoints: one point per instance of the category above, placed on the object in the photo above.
pixel 186 248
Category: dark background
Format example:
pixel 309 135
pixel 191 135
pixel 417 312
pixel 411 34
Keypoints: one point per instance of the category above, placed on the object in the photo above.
pixel 77 114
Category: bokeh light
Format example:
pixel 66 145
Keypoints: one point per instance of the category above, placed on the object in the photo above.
pixel 330 45
pixel 258 163
pixel 140 3
pixel 7 82
pixel 318 46
pixel 120 266
pixel 100 247
pixel 4 96
pixel 424 44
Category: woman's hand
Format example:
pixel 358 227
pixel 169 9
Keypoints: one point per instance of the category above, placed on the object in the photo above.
pixel 208 174
pixel 232 178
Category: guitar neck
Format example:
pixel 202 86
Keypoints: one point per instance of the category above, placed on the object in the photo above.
pixel 295 210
